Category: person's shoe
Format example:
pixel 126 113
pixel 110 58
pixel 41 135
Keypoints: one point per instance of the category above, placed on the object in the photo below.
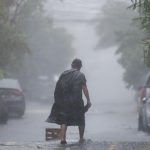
pixel 63 142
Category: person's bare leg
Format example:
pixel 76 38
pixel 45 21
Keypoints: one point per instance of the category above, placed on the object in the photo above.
pixel 63 132
pixel 81 133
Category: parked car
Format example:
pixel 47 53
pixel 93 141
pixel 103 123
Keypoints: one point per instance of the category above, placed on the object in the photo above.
pixel 144 106
pixel 12 95
pixel 3 112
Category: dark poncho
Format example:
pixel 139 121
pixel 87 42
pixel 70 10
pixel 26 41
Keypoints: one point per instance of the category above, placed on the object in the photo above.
pixel 68 107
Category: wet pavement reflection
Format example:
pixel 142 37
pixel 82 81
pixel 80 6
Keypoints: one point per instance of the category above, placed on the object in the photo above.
pixel 88 145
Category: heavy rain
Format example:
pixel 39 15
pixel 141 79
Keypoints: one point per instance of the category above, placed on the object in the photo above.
pixel 39 39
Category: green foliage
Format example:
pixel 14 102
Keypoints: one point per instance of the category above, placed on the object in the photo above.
pixel 30 45
pixel 12 45
pixel 50 47
pixel 47 42
pixel 117 27
pixel 12 42
pixel 143 7
pixel 44 40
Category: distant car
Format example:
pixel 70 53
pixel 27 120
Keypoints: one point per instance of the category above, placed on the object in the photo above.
pixel 144 106
pixel 3 112
pixel 12 95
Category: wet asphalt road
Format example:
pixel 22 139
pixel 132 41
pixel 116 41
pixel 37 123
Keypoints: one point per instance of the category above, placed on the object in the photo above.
pixel 108 127
pixel 88 145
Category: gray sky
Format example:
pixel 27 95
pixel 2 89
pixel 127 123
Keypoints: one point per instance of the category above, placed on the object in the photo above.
pixel 74 9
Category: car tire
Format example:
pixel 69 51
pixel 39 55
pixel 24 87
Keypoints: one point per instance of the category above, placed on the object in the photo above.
pixel 4 118
pixel 140 123
pixel 144 119
pixel 4 115
pixel 20 113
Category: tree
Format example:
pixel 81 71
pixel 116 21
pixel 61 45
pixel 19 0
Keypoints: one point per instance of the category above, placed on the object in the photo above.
pixel 12 42
pixel 117 27
pixel 50 48
pixel 30 45
pixel 143 7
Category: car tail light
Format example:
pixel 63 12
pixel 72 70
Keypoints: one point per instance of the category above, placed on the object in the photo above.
pixel 143 93
pixel 17 93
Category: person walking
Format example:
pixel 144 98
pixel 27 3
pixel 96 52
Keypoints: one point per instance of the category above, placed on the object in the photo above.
pixel 68 108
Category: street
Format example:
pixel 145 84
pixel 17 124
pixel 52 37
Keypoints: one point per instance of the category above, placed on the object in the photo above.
pixel 38 41
pixel 110 126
